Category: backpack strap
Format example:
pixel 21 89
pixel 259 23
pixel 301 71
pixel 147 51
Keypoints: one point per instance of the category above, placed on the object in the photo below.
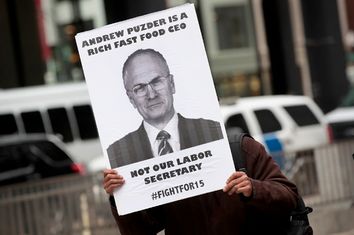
pixel 235 141
pixel 299 222
pixel 301 211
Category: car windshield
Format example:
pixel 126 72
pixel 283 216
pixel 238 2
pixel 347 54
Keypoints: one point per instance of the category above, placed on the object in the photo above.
pixel 50 149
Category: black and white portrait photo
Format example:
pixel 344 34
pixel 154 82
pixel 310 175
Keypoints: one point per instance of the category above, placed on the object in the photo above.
pixel 150 87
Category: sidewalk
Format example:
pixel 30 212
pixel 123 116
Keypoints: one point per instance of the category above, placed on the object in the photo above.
pixel 333 219
pixel 351 232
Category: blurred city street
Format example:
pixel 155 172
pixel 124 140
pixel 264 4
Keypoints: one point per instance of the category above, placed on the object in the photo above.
pixel 283 72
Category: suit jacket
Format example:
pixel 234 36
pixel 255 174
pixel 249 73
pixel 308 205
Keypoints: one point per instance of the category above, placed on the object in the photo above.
pixel 136 147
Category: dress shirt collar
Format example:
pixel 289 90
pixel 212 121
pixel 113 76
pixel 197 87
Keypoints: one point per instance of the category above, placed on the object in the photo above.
pixel 171 128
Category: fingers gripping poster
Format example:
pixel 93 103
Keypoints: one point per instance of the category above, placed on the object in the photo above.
pixel 156 108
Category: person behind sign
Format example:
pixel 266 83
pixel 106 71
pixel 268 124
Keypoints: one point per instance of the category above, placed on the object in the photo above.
pixel 150 88
pixel 258 202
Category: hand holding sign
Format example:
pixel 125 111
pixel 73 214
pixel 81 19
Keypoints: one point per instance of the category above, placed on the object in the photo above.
pixel 111 180
pixel 238 182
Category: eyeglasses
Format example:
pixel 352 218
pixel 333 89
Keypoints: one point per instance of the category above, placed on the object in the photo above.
pixel 156 84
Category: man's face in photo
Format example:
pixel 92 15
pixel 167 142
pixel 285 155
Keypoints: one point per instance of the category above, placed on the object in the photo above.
pixel 150 88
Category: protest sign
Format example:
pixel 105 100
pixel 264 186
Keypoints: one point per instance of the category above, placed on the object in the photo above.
pixel 148 74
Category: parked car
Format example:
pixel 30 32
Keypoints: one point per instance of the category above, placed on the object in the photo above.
pixel 284 124
pixel 341 119
pixel 28 157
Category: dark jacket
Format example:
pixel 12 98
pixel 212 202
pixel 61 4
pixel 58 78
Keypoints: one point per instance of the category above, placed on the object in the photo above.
pixel 266 212
pixel 136 146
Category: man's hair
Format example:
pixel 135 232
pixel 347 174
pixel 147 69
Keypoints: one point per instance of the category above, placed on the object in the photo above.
pixel 139 52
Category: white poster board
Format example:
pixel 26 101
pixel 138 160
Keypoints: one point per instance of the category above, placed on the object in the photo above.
pixel 201 160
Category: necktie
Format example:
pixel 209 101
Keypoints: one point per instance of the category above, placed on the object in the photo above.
pixel 164 146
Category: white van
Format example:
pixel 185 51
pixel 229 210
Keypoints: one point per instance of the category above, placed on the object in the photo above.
pixel 282 123
pixel 62 109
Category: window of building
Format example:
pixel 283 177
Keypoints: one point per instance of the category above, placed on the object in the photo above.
pixel 232 29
